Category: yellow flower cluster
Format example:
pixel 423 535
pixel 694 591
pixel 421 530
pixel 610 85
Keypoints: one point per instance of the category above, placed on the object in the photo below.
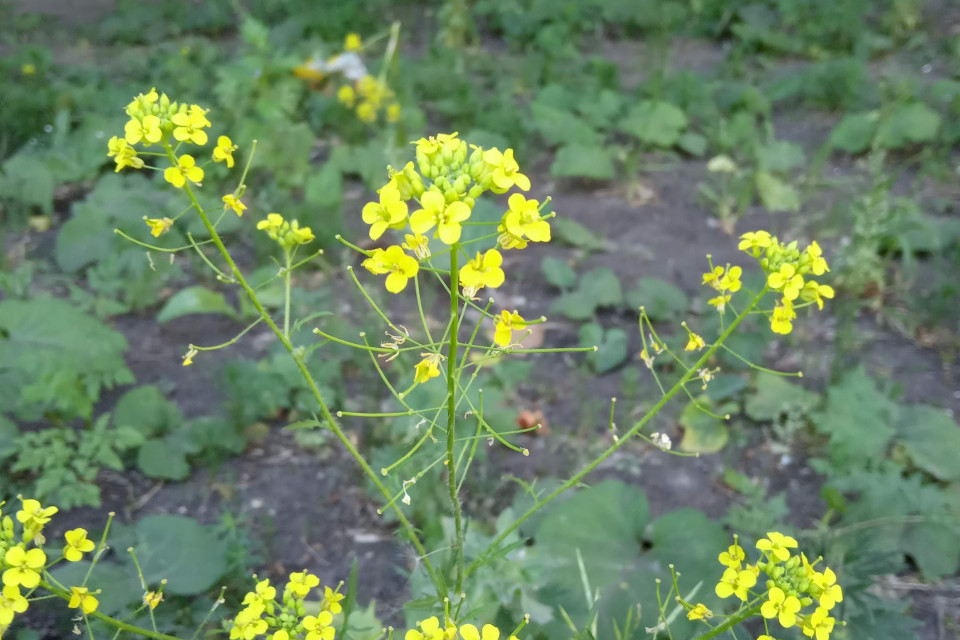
pixel 286 234
pixel 24 561
pixel 726 281
pixel 430 629
pixel 286 619
pixel 793 584
pixel 369 97
pixel 788 270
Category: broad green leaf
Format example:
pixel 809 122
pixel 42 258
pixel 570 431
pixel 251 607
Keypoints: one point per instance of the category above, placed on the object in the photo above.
pixel 574 234
pixel 603 286
pixel 854 133
pixel 859 420
pixel 561 127
pixel 583 161
pixel 775 395
pixel 780 156
pixel 558 272
pixel 325 187
pixel 576 305
pixel 27 180
pixel 655 122
pixel 159 458
pixel 8 432
pixel 934 547
pixel 190 556
pixel 908 124
pixel 661 299
pixel 702 433
pixel 776 194
pixel 148 411
pixel 118 585
pixel 364 623
pixel 932 440
pixel 693 143
pixel 195 300
pixel 83 239
pixel 612 346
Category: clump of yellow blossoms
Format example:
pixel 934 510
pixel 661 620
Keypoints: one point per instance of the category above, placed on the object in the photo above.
pixel 24 562
pixel 288 234
pixel 795 593
pixel 430 629
pixel 286 618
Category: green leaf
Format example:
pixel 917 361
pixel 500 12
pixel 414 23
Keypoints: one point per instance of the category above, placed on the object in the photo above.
pixel 603 287
pixel 702 433
pixel 159 458
pixel 612 346
pixel 934 547
pixel 325 187
pixel 574 234
pixel 118 585
pixel 27 180
pixel 576 305
pixel 148 411
pixel 583 161
pixel 780 156
pixel 859 420
pixel 908 124
pixel 558 272
pixel 693 143
pixel 774 396
pixel 661 299
pixel 8 433
pixel 561 127
pixel 932 440
pixel 190 556
pixel 364 623
pixel 195 300
pixel 854 133
pixel 776 194
pixel 655 122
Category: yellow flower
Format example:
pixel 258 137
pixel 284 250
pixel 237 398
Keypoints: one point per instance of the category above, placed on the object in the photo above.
pixel 28 69
pixel 506 171
pixel 482 271
pixel 420 245
pixel 346 96
pixel 352 42
pixel 713 277
pixel 301 583
pixel 733 556
pixel 731 279
pixel 152 599
pixel 123 154
pixel 366 112
pixel 223 152
pixel 830 591
pixel 281 634
pixel 391 211
pixel 781 606
pixel 699 612
pixel 188 126
pixel 32 514
pixel 77 545
pixel 80 597
pixel 819 265
pixel 694 342
pixel 186 169
pixel 158 226
pixel 429 630
pixel 395 262
pixel 393 113
pixel 753 241
pixel 147 129
pixel 331 601
pixel 25 567
pixel 819 624
pixel 318 627
pixel 11 602
pixel 815 292
pixel 720 302
pixel 449 142
pixel 188 359
pixel 273 222
pixel 781 318
pixel 506 324
pixel 735 582
pixel 765 637
pixel 777 546
pixel 470 632
pixel 230 201
pixel 300 235
pixel 263 595
pixel 523 219
pixel 426 369
pixel 786 280
pixel 436 212
pixel 248 624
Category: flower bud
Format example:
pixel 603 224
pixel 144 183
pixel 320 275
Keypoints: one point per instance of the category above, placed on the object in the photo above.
pixel 806 602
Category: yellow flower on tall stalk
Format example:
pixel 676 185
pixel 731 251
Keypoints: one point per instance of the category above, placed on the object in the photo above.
pixel 781 606
pixel 694 341
pixel 223 152
pixel 32 514
pixel 429 630
pixel 273 222
pixel 777 546
pixel 396 263
pixel 699 612
pixel 188 126
pixel 733 556
pixel 346 96
pixel 319 627
pixel 753 241
pixel 781 320
pixel 426 369
pixel 814 292
pixel 505 325
pixel 419 244
pixel 391 211
pixel 734 582
pixel 77 545
pixel 331 600
pixel 123 154
pixel 301 583
pixel 230 201
pixel 523 219
pixel 248 624
pixel 24 567
pixel 436 212
pixel 506 171
pixel 158 226
pixel 482 271
pixel 818 624
pixel 186 169
pixel 830 591
pixel 81 598
pixel 147 129
pixel 11 602
pixel 470 632
pixel 352 42
pixel 786 280
pixel 819 264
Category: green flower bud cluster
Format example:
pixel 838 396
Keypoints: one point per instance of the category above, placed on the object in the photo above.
pixel 287 234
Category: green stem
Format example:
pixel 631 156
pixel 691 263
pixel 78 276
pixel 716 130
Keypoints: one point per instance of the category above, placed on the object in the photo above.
pixel 118 624
pixel 452 410
pixel 729 623
pixel 575 479
pixel 286 296
pixel 308 377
